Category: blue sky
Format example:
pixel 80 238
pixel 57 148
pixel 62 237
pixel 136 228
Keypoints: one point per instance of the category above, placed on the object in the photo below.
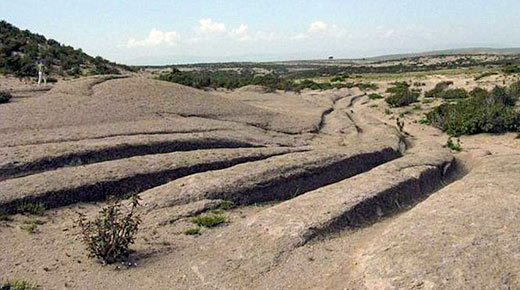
pixel 165 32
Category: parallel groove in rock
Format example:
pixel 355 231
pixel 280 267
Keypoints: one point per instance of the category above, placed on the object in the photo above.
pixel 90 152
pixel 95 181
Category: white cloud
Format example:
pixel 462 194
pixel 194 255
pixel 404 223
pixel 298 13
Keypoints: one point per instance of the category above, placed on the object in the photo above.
pixel 207 26
pixel 299 36
pixel 240 33
pixel 156 38
pixel 266 36
pixel 322 29
pixel 318 26
pixel 384 32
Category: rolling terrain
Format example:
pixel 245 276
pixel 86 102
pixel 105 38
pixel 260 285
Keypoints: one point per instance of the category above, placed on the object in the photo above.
pixel 325 190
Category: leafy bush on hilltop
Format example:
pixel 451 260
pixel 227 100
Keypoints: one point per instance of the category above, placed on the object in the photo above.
pixel 483 112
pixel 21 50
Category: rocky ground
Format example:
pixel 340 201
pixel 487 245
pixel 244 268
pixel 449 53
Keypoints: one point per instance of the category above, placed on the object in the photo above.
pixel 327 193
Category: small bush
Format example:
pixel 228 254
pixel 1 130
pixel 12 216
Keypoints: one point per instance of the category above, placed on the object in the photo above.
pixel 338 78
pixel 5 97
pixel 375 96
pixel 18 285
pixel 388 111
pixel 454 94
pixel 111 233
pixel 512 69
pixel 367 86
pixel 514 90
pixel 455 146
pixel 401 96
pixel 437 91
pixel 209 220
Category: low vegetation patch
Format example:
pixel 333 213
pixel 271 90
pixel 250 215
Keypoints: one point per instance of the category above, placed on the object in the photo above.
pixel 482 112
pixel 454 145
pixel 367 86
pixel 374 96
pixel 401 95
pixel 210 220
pixel 194 231
pixel 437 91
pixel 237 79
pixel 512 69
pixel 109 236
pixel 31 226
pixel 485 74
pixel 451 94
pixel 18 285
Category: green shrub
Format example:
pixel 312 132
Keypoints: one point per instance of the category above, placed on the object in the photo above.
pixel 18 285
pixel 110 234
pixel 450 94
pixel 512 69
pixel 401 96
pixel 367 86
pixel 478 92
pixel 482 112
pixel 375 96
pixel 437 91
pixel 5 97
pixel 338 78
pixel 209 220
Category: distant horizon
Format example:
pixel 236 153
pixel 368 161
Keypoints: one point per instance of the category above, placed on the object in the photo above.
pixel 179 32
pixel 403 53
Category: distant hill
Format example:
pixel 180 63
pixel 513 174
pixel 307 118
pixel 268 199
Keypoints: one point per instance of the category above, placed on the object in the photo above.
pixel 462 51
pixel 21 50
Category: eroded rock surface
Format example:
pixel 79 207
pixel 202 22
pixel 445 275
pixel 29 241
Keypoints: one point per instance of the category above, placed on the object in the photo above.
pixel 302 173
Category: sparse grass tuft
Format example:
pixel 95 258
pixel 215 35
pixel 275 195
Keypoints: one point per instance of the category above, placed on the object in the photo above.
pixel 194 231
pixel 225 205
pixel 30 228
pixel 374 96
pixel 455 146
pixel 210 220
pixel 388 111
pixel 18 285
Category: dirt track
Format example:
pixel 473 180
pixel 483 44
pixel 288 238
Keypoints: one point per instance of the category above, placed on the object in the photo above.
pixel 324 188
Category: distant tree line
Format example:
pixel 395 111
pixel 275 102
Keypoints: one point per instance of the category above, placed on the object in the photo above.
pixel 235 79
